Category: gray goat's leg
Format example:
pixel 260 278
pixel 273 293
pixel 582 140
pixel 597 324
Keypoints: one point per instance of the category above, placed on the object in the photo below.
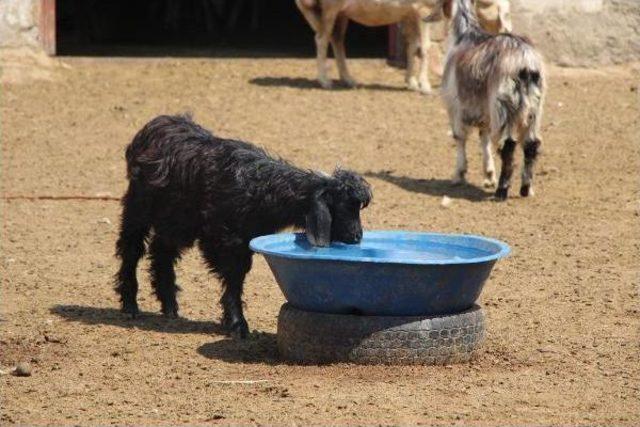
pixel 488 165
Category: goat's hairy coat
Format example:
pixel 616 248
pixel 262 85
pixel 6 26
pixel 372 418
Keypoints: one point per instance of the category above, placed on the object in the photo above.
pixel 497 84
pixel 188 186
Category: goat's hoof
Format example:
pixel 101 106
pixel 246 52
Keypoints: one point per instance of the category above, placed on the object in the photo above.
pixel 526 191
pixel 489 183
pixel 349 82
pixel 130 308
pixel 239 331
pixel 501 194
pixel 414 86
pixel 425 89
pixel 326 84
pixel 170 310
pixel 171 314
pixel 458 179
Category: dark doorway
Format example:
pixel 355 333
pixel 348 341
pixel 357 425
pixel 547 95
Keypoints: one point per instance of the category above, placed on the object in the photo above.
pixel 254 28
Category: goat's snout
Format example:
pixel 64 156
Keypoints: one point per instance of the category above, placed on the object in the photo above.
pixel 358 236
pixel 353 236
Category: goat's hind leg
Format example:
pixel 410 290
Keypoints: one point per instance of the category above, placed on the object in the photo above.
pixel 130 247
pixel 501 126
pixel 506 155
pixel 460 135
pixel 530 148
pixel 488 164
pixel 164 254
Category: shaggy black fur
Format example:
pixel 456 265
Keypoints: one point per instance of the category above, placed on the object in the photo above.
pixel 187 185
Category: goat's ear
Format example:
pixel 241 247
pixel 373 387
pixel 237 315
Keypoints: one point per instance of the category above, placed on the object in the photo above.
pixel 504 22
pixel 318 225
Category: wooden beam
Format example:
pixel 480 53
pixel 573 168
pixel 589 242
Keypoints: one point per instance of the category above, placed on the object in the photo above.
pixel 47 26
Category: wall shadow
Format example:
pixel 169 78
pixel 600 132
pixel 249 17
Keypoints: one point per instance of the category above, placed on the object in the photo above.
pixel 305 83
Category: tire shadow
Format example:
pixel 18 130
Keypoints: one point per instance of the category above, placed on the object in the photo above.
pixel 305 83
pixel 257 348
pixel 145 321
pixel 433 186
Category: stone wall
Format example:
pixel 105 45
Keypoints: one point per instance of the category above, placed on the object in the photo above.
pixel 19 23
pixel 581 32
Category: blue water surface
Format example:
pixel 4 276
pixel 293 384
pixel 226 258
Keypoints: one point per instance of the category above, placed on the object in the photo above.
pixel 389 247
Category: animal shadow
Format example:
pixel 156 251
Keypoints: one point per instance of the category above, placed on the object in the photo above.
pixel 258 348
pixel 305 83
pixel 433 186
pixel 145 321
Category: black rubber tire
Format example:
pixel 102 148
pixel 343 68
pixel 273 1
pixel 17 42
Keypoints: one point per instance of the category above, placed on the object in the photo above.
pixel 320 338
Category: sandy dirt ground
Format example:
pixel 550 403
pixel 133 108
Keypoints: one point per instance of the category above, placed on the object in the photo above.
pixel 562 312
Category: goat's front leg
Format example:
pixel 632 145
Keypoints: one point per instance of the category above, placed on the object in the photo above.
pixel 231 262
pixel 506 154
pixel 337 42
pixel 488 165
pixel 423 53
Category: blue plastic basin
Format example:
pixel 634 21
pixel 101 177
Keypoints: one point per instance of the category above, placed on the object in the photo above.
pixel 389 273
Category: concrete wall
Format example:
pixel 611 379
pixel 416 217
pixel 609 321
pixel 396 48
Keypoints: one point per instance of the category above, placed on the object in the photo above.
pixel 581 32
pixel 19 23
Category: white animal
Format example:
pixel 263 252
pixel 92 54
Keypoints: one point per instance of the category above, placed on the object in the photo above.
pixel 329 20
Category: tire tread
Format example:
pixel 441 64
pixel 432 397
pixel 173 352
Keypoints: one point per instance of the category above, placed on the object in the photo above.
pixel 319 338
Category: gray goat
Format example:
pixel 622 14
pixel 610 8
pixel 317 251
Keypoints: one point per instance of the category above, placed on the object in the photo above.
pixel 497 84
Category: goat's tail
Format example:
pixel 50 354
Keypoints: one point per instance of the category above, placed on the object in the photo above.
pixel 532 89
pixel 529 74
pixel 152 155
pixel 522 89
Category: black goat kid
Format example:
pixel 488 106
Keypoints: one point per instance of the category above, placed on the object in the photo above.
pixel 187 185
